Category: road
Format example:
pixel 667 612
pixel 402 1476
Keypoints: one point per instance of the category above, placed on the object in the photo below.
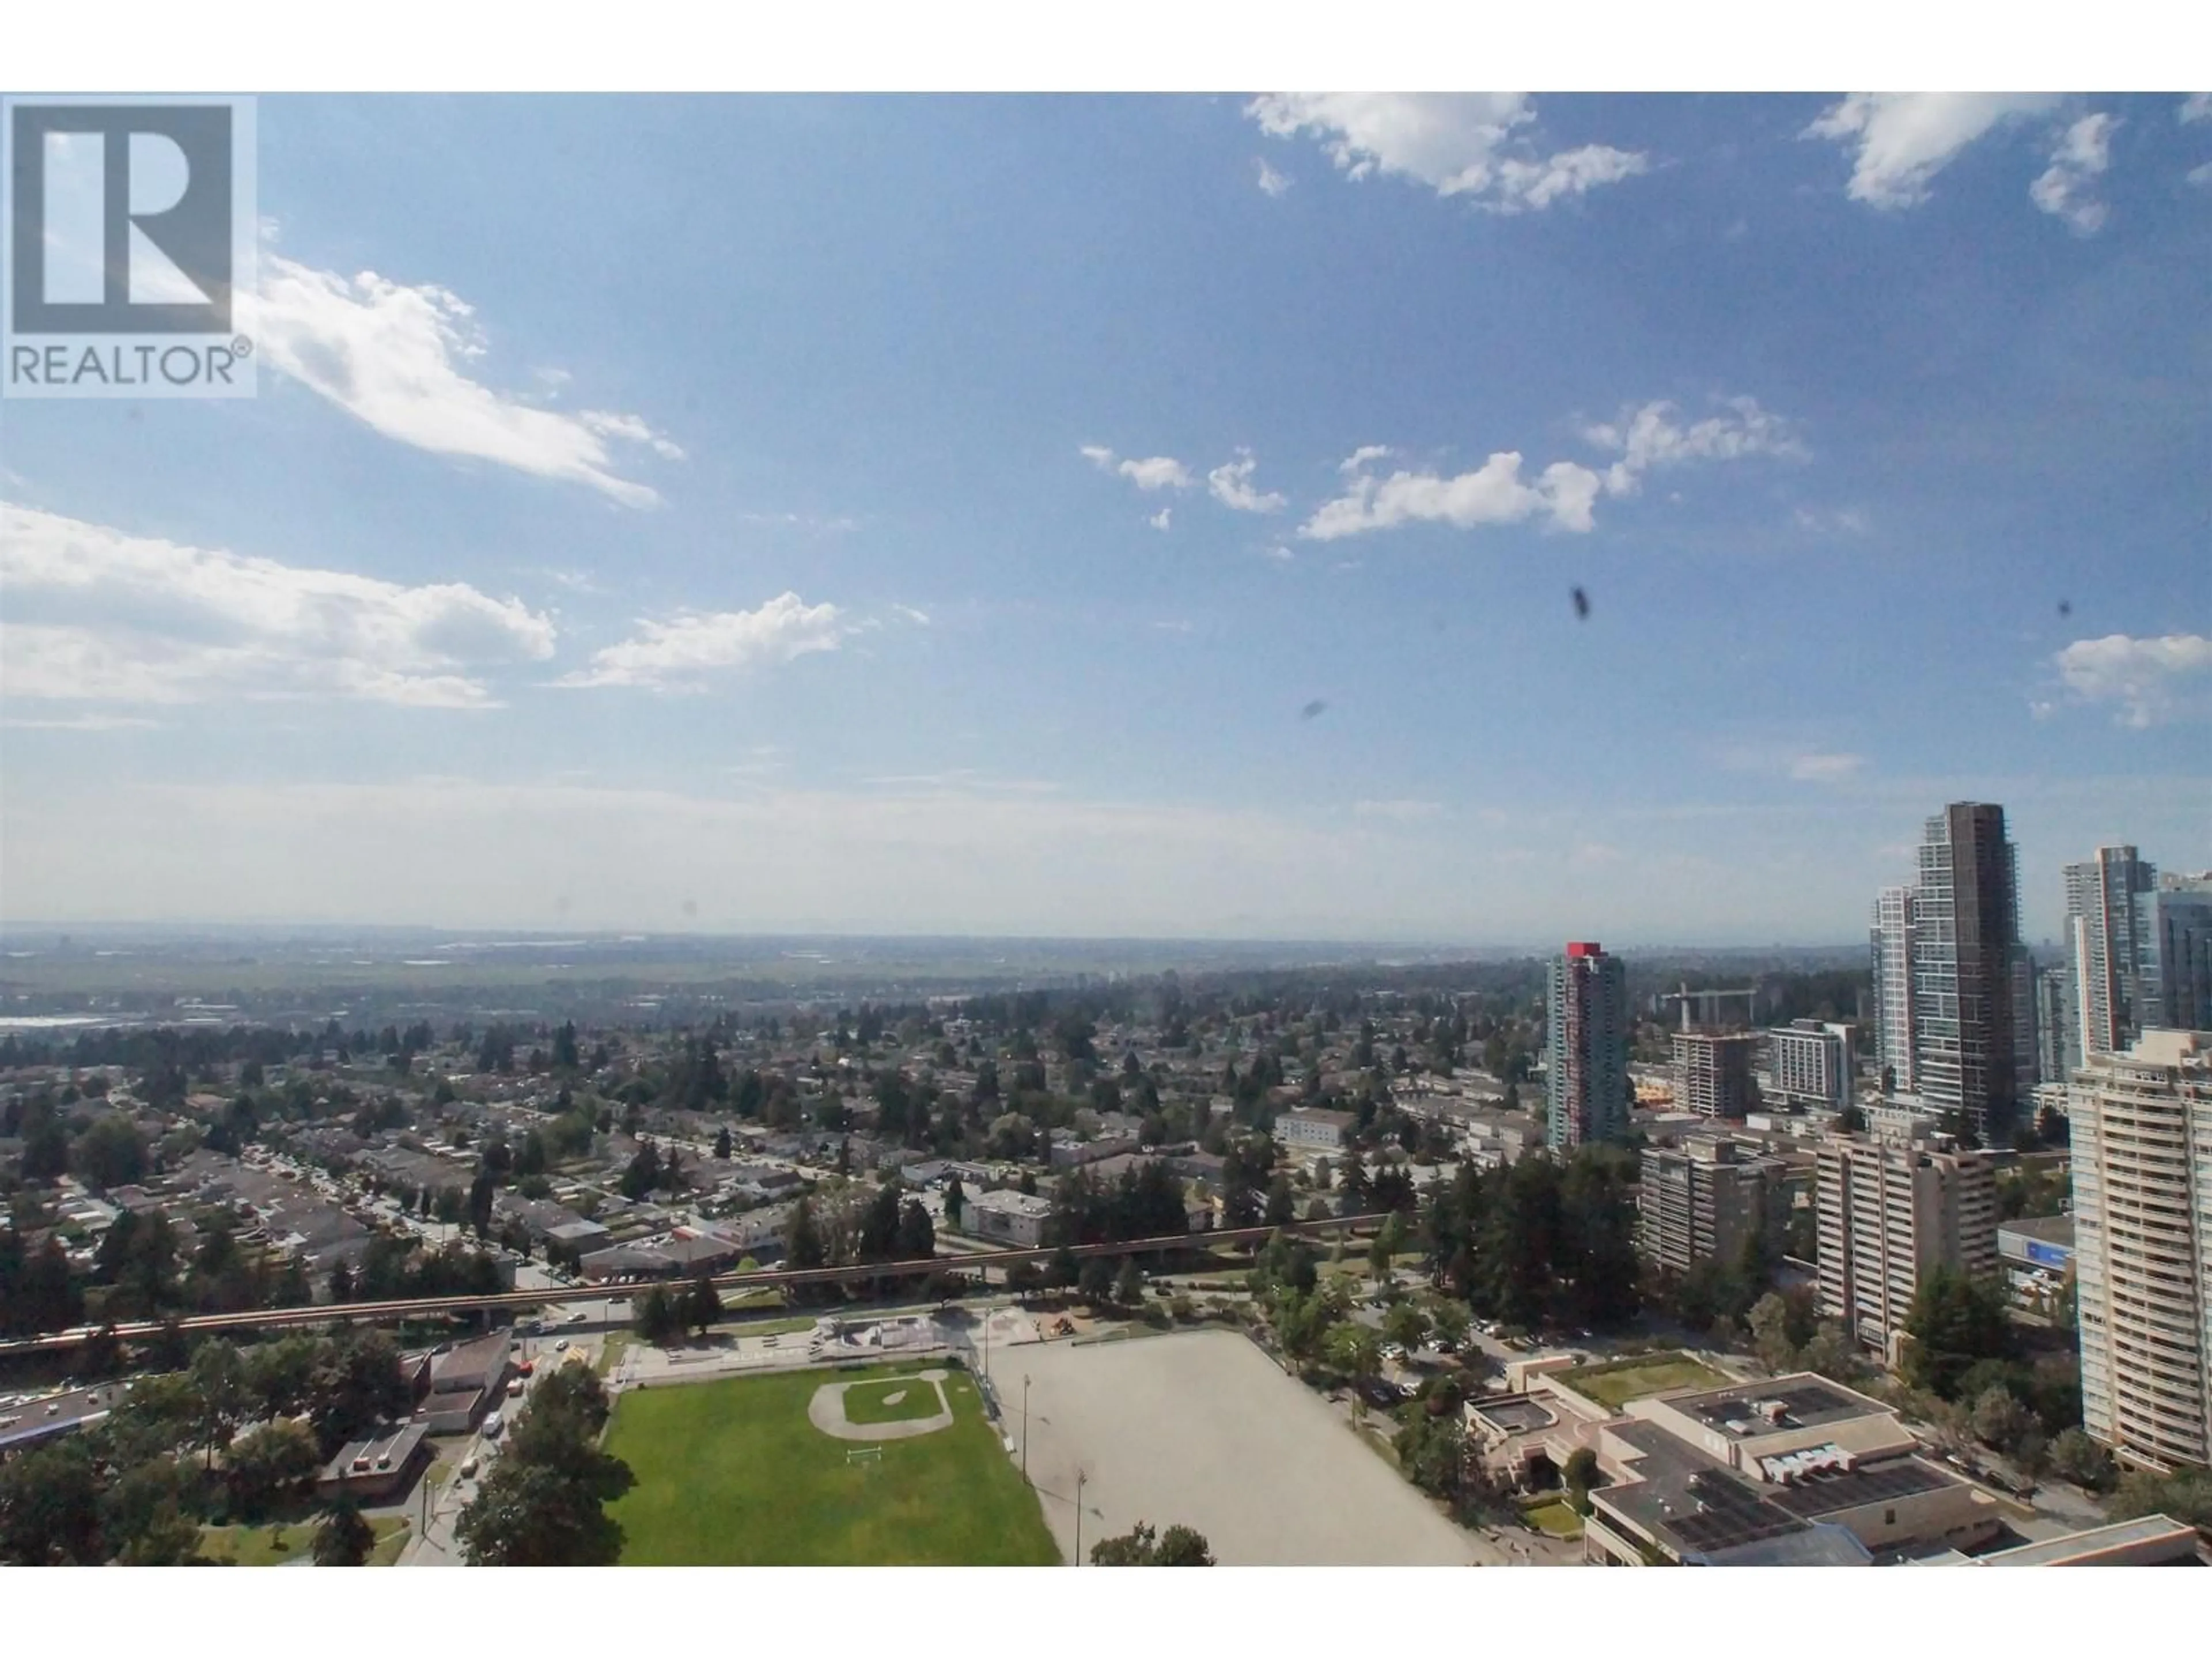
pixel 432 1543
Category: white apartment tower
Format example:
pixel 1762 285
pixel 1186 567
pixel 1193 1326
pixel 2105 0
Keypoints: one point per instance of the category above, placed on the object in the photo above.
pixel 1810 1063
pixel 2143 1248
pixel 1892 943
pixel 2180 936
pixel 2111 949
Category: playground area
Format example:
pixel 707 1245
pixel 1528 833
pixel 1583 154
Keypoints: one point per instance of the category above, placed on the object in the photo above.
pixel 1200 1428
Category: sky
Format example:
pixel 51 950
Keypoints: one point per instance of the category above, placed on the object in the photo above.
pixel 1139 516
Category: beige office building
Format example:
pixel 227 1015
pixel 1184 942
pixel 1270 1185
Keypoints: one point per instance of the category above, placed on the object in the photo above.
pixel 1890 1209
pixel 1712 1072
pixel 1701 1201
pixel 2142 1248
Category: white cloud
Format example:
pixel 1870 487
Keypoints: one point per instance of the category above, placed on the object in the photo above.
pixel 2200 175
pixel 1565 494
pixel 1161 519
pixel 2084 150
pixel 1280 554
pixel 1494 493
pixel 1361 456
pixel 631 428
pixel 2144 677
pixel 96 615
pixel 676 654
pixel 1156 472
pixel 84 723
pixel 1904 139
pixel 835 526
pixel 2198 107
pixel 397 358
pixel 1842 521
pixel 1173 627
pixel 918 618
pixel 1650 437
pixel 1398 812
pixel 1231 485
pixel 1816 768
pixel 1272 183
pixel 1456 143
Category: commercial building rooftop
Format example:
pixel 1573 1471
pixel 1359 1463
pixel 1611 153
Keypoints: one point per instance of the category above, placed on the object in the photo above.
pixel 1796 1402
pixel 1876 1483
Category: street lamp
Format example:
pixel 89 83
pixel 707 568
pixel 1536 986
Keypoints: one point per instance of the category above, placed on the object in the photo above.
pixel 1025 1427
pixel 1078 1518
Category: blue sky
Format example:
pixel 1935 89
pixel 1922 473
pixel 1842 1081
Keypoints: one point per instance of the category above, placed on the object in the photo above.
pixel 941 514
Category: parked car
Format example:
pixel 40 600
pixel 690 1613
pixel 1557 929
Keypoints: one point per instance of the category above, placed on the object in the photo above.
pixel 492 1426
pixel 514 1389
pixel 469 1466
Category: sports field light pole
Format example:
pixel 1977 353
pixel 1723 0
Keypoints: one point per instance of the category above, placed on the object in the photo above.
pixel 1078 1518
pixel 1026 1426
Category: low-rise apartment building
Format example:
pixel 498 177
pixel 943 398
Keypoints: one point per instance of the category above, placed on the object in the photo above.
pixel 1313 1129
pixel 1015 1218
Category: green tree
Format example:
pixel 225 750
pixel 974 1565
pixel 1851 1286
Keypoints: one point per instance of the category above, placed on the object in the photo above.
pixel 218 1381
pixel 1095 1280
pixel 659 1317
pixel 2186 1494
pixel 1770 1337
pixel 1452 1323
pixel 1580 1475
pixel 544 1503
pixel 955 1202
pixel 50 1507
pixel 1956 1320
pixel 357 1386
pixel 111 1153
pixel 2074 1457
pixel 1129 1283
pixel 147 1515
pixel 2000 1422
pixel 1405 1325
pixel 1830 1353
pixel 702 1305
pixel 1178 1547
pixel 343 1539
pixel 1354 1349
pixel 269 1465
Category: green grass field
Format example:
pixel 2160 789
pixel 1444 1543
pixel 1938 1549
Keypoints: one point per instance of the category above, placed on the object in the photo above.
pixel 274 1545
pixel 898 1401
pixel 1556 1519
pixel 734 1474
pixel 1616 1383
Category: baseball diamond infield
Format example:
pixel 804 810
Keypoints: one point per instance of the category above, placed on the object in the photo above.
pixel 897 1409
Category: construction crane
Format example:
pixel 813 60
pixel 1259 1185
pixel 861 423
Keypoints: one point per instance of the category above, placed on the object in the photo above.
pixel 1686 996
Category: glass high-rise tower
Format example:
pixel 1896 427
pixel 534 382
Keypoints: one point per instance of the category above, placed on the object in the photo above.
pixel 1965 935
pixel 1586 1047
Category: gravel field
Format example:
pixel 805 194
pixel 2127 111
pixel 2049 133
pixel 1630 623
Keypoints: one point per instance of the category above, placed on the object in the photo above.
pixel 1201 1428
